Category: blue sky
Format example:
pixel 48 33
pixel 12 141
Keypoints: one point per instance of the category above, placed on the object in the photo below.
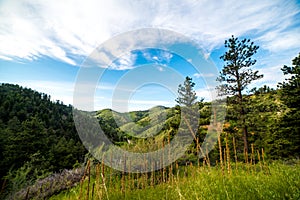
pixel 43 44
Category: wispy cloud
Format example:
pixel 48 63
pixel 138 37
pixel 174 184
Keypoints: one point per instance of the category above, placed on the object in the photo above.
pixel 157 56
pixel 70 30
pixel 125 62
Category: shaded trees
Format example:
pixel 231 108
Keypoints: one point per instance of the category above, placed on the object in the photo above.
pixel 288 131
pixel 36 132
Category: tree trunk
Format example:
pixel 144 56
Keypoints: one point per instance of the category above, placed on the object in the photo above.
pixel 245 133
pixel 242 117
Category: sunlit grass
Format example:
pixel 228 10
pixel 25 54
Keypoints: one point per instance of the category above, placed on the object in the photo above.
pixel 280 181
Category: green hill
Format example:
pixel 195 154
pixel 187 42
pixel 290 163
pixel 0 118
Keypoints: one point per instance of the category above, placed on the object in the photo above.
pixel 37 136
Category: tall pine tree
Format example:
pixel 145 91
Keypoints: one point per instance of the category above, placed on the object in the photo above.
pixel 236 75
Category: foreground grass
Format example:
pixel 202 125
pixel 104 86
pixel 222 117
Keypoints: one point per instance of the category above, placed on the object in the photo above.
pixel 280 181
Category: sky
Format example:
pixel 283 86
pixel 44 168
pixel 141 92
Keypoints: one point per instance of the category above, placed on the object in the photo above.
pixel 46 45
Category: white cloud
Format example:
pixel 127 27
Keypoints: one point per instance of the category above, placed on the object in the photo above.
pixel 69 30
pixel 125 62
pixel 281 40
pixel 5 58
pixel 204 93
pixel 272 75
pixel 157 56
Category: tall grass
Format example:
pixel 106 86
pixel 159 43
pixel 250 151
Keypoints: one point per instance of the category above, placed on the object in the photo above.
pixel 228 178
pixel 244 180
pixel 281 182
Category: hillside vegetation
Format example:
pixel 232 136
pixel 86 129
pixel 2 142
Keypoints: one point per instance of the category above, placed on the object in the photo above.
pixel 38 136
pixel 255 151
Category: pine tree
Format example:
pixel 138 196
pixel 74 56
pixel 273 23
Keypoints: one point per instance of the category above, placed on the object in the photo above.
pixel 236 75
pixel 189 113
pixel 186 94
pixel 289 128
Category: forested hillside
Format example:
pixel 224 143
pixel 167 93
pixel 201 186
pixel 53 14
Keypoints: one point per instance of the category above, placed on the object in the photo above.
pixel 37 135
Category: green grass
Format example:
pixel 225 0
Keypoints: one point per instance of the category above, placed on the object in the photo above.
pixel 281 181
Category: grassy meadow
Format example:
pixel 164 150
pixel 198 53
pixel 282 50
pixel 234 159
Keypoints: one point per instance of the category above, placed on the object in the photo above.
pixel 276 180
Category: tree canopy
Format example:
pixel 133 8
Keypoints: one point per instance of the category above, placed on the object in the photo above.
pixel 36 133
